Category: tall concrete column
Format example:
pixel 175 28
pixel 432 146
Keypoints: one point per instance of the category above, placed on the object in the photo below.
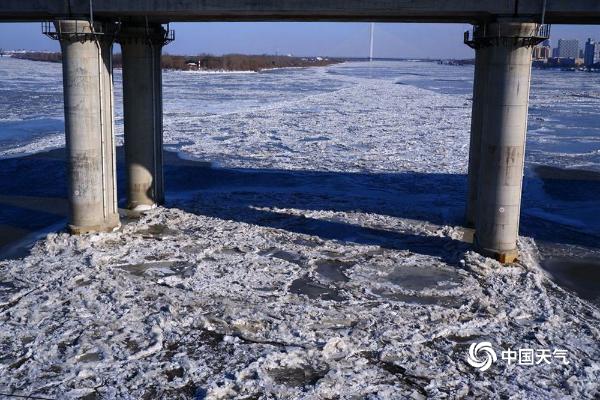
pixel 479 93
pixel 88 101
pixel 509 47
pixel 142 101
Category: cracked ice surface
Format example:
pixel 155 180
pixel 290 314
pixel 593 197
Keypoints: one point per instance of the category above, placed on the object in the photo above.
pixel 353 128
pixel 180 304
pixel 359 291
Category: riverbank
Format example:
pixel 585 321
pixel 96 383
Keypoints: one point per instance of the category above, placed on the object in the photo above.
pixel 229 62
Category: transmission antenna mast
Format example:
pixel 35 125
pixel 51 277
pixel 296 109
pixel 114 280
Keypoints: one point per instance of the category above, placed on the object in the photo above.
pixel 372 31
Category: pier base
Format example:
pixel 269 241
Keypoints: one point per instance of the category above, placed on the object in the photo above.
pixel 88 101
pixel 508 48
pixel 142 101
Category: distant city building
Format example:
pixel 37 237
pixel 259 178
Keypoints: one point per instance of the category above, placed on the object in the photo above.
pixel 555 52
pixel 592 53
pixel 568 48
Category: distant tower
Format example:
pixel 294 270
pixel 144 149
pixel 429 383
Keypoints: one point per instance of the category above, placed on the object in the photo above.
pixel 568 48
pixel 592 53
pixel 371 47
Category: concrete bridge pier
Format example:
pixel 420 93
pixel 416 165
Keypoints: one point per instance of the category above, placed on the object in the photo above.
pixel 141 46
pixel 88 100
pixel 478 107
pixel 508 52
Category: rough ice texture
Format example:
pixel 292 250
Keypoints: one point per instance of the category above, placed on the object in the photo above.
pixel 180 304
pixel 298 292
pixel 368 126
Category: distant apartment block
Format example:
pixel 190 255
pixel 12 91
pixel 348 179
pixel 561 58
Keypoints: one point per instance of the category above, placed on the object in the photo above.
pixel 592 52
pixel 568 48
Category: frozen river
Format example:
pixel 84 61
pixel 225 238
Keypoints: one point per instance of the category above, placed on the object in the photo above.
pixel 312 245
pixel 563 129
pixel 345 118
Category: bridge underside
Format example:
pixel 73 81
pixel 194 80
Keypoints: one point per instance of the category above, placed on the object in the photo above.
pixel 463 11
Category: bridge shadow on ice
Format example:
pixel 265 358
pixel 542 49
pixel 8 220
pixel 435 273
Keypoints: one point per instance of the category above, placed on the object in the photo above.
pixel 33 197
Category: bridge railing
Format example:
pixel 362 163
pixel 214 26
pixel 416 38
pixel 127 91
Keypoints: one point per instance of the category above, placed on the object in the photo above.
pixel 483 38
pixel 79 31
pixel 82 31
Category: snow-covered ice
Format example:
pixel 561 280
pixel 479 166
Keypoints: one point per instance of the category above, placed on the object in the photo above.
pixel 181 304
pixel 327 264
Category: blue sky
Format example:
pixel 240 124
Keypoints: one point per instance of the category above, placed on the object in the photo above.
pixel 302 38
